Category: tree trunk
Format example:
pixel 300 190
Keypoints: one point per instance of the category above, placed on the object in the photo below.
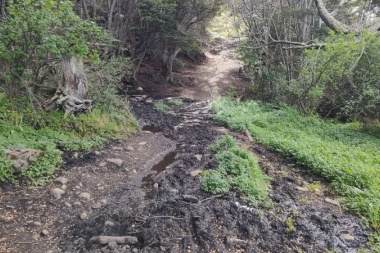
pixel 169 55
pixel 329 20
pixel 72 90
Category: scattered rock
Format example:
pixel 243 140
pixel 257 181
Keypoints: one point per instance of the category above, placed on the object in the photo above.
pixel 142 143
pixel 54 251
pixel 103 201
pixel 174 190
pixel 57 193
pixel 64 187
pixel 155 185
pixel 118 239
pixel 117 148
pixel 67 204
pixel 109 223
pixel 96 205
pixel 118 162
pixel 102 164
pixel 332 201
pixel 22 157
pixel 195 173
pixel 76 155
pixel 235 240
pixel 44 232
pixel 347 237
pixel 85 195
pixel 190 198
pixel 97 153
pixel 83 216
pixel 134 250
pixel 36 236
pixel 10 207
pixel 61 180
pixel 149 101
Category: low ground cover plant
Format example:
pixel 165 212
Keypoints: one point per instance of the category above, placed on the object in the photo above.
pixel 345 154
pixel 237 170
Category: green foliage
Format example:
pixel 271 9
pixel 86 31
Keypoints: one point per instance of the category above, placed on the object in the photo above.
pixel 21 127
pixel 341 153
pixel 35 32
pixel 342 78
pixel 237 169
pixel 175 102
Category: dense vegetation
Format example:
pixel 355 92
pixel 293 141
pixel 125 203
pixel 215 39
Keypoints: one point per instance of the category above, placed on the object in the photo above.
pixel 345 154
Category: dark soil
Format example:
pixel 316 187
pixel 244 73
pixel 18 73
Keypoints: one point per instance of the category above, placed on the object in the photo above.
pixel 156 195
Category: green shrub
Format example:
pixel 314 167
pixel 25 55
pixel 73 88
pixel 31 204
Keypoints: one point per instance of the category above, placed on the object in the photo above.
pixel 237 169
pixel 162 107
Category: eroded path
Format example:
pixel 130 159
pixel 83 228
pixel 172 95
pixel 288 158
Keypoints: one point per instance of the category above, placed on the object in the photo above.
pixel 150 190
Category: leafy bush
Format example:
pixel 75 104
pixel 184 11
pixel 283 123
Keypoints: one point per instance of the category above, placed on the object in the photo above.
pixel 237 169
pixel 342 79
pixel 343 153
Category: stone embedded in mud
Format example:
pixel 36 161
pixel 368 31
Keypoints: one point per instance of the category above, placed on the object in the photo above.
pixel 118 162
pixel 190 198
pixel 96 205
pixel 142 143
pixel 102 164
pixel 109 223
pixel 57 193
pixel 44 232
pixel 199 157
pixel 118 239
pixel 61 180
pixel 347 237
pixel 155 185
pixel 97 153
pixel 85 195
pixel 67 204
pixel 302 189
pixel 64 187
pixel 195 173
pixel 129 148
pixel 83 216
pixel 112 245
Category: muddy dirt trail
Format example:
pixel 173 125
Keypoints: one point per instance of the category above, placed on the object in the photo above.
pixel 145 192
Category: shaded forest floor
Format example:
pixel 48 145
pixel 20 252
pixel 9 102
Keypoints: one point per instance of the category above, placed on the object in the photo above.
pixel 148 187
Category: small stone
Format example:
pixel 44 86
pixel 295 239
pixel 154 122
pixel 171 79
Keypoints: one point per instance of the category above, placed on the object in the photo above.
pixel 77 187
pixel 85 195
pixel 134 250
pixel 57 192
pixel 142 143
pixel 118 162
pixel 155 185
pixel 199 157
pixel 76 155
pixel 10 207
pixel 129 148
pixel 37 223
pixel 83 216
pixel 97 153
pixel 64 187
pixel 190 198
pixel 302 189
pixel 77 204
pixel 109 223
pixel 134 172
pixel 44 232
pixel 96 205
pixel 54 251
pixel 347 237
pixel 195 173
pixel 140 89
pixel 67 204
pixel 61 180
pixel 112 245
pixel 103 201
pixel 332 201
pixel 102 164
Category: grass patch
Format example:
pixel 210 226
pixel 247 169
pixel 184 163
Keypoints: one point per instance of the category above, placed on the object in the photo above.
pixel 21 127
pixel 168 106
pixel 341 153
pixel 237 170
